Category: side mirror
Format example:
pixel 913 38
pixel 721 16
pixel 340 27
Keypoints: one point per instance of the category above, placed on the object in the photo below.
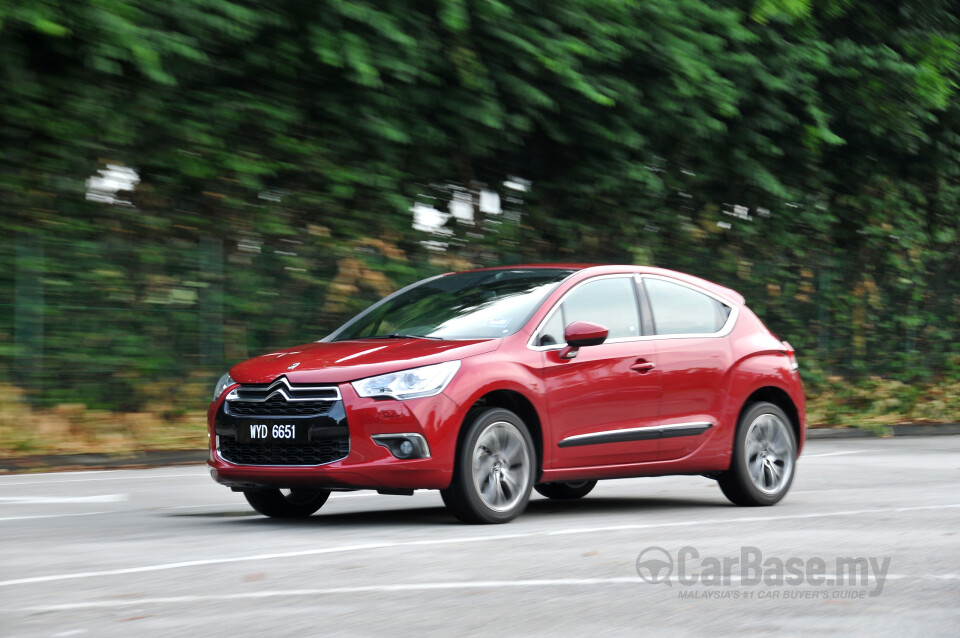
pixel 582 333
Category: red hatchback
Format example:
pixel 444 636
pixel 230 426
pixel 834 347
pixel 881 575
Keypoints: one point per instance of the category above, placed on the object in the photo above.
pixel 490 383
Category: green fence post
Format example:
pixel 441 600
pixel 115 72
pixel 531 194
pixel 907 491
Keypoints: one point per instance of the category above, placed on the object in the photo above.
pixel 211 302
pixel 28 314
pixel 823 314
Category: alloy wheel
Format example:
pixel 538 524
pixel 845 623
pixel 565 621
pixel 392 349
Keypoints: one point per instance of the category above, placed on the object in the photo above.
pixel 769 453
pixel 501 466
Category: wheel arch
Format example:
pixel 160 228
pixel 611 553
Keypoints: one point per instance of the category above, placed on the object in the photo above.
pixel 780 398
pixel 519 404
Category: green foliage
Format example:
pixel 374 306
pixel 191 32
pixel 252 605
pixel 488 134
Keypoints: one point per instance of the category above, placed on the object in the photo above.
pixel 877 403
pixel 804 153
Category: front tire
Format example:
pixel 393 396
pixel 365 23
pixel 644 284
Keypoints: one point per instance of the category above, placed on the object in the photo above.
pixel 566 490
pixel 764 455
pixel 494 470
pixel 296 503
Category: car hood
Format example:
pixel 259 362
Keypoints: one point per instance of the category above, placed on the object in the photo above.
pixel 342 361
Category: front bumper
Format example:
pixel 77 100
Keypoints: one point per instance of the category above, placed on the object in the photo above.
pixel 367 464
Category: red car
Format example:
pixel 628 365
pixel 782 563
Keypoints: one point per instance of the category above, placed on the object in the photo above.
pixel 490 383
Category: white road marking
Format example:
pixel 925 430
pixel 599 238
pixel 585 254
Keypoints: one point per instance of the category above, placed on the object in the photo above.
pixel 336 495
pixel 453 541
pixel 190 507
pixel 61 472
pixel 106 478
pixel 63 500
pixel 140 477
pixel 117 498
pixel 633 581
pixel 24 518
pixel 403 587
pixel 844 453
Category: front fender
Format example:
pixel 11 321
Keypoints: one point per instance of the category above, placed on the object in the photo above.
pixel 481 378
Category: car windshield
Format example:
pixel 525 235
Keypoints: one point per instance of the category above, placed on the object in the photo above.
pixel 471 305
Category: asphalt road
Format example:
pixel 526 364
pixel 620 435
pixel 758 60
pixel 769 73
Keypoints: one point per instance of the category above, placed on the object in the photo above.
pixel 167 552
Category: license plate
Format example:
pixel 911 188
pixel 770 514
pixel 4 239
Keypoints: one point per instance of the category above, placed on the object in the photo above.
pixel 266 431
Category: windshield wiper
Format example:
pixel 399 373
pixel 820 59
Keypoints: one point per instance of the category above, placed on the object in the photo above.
pixel 397 335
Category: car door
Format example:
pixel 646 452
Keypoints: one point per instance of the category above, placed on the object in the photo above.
pixel 693 356
pixel 603 402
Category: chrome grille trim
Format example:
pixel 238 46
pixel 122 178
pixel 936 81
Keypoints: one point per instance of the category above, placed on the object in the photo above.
pixel 281 386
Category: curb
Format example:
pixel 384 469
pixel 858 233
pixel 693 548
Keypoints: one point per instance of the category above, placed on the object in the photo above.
pixel 906 429
pixel 159 458
pixel 131 460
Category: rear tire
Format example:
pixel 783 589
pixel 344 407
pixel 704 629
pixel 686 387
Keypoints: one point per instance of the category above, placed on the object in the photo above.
pixel 764 456
pixel 566 490
pixel 296 503
pixel 494 469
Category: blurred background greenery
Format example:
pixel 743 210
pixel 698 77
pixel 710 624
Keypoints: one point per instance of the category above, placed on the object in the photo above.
pixel 184 184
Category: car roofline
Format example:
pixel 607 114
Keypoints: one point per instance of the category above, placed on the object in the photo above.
pixel 605 269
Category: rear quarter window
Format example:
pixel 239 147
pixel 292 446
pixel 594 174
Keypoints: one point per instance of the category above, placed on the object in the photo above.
pixel 678 309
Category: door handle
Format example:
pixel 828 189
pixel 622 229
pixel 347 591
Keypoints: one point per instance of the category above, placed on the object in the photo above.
pixel 642 366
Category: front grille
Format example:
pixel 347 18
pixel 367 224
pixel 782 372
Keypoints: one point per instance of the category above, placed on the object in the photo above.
pixel 323 433
pixel 312 453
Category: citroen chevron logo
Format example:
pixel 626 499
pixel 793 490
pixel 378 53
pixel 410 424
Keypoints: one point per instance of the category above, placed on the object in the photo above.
pixel 293 366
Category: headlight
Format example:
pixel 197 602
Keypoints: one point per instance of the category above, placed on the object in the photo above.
pixel 224 383
pixel 409 384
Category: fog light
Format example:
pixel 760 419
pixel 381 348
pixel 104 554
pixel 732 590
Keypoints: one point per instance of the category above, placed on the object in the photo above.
pixel 404 446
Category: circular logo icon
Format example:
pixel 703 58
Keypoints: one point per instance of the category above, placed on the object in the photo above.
pixel 654 565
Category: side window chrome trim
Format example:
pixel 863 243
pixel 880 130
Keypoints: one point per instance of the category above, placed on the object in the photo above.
pixel 638 278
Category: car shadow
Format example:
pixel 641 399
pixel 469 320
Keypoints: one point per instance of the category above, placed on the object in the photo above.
pixel 583 510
